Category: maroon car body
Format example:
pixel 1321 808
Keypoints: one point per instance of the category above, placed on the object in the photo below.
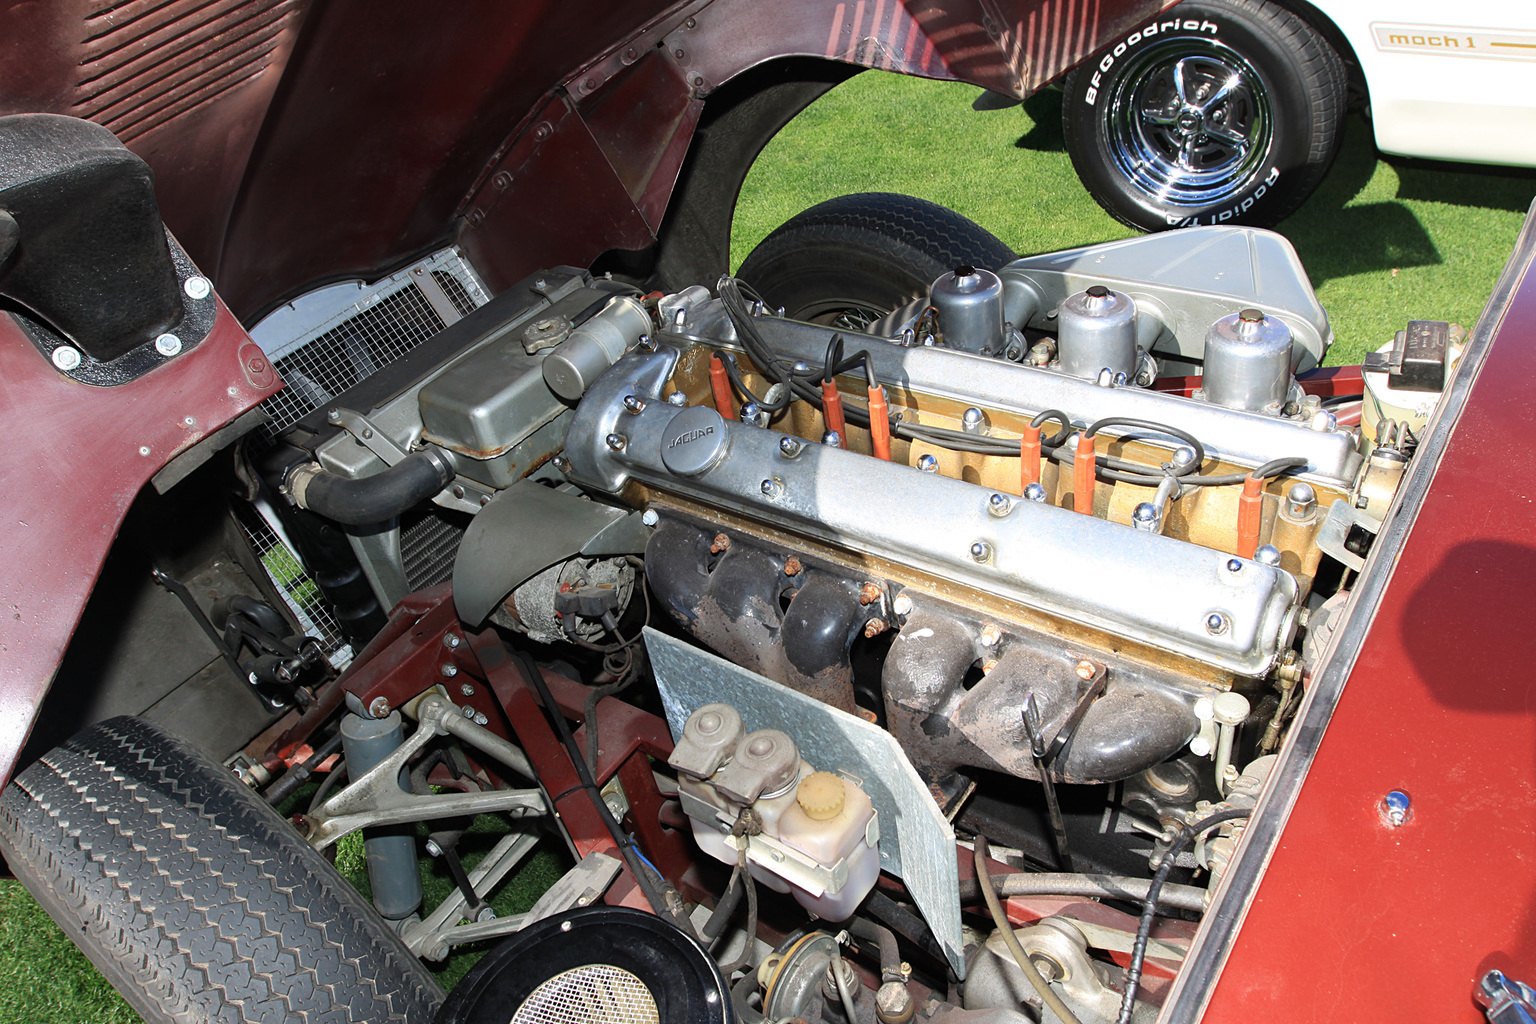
pixel 297 143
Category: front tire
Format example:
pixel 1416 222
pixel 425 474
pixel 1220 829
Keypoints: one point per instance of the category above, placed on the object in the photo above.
pixel 1215 112
pixel 192 896
pixel 850 260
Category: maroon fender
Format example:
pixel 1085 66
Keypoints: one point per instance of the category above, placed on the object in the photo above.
pixel 74 458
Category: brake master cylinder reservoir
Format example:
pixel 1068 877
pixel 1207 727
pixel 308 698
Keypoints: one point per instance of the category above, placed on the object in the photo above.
pixel 969 306
pixel 1248 362
pixel 830 822
pixel 1097 331
pixel 811 834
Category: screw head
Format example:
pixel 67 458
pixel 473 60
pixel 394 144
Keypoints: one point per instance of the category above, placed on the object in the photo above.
pixel 789 446
pixel 66 357
pixel 379 707
pixel 902 605
pixel 1216 624
pixel 649 517
pixel 1396 808
pixel 981 551
pixel 772 488
pixel 467 689
pixel 927 463
pixel 450 670
pixel 197 287
pixel 451 640
pixel 677 398
pixel 616 442
pixel 168 344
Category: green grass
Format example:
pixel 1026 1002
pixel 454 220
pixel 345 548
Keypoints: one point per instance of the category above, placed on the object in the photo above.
pixel 1384 240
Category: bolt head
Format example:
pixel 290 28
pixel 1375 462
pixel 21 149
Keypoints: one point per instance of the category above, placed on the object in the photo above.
pixel 168 344
pixel 789 446
pixel 1396 808
pixel 981 551
pixel 468 712
pixel 649 517
pixel 467 689
pixel 379 707
pixel 874 627
pixel 1215 623
pixel 197 287
pixel 902 605
pixel 990 635
pixel 1085 669
pixel 677 398
pixel 616 442
pixel 451 640
pixel 480 718
pixel 433 850
pixel 927 463
pixel 66 357
pixel 450 670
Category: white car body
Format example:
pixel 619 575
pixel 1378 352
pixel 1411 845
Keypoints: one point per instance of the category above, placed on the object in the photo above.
pixel 1447 81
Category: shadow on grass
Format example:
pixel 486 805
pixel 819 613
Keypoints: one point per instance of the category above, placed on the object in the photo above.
pixel 1489 188
pixel 1044 109
pixel 1335 239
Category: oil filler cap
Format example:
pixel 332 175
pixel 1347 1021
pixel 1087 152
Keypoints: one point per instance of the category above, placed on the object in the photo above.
pixel 694 441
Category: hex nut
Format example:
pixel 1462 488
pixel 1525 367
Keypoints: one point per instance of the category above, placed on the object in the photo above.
pixel 379 707
pixel 902 605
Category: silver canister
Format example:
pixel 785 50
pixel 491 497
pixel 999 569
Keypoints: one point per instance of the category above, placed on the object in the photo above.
pixel 1097 330
pixel 1248 362
pixel 572 366
pixel 969 304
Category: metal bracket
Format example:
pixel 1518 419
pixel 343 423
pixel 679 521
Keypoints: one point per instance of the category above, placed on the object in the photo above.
pixel 368 435
pixel 1333 533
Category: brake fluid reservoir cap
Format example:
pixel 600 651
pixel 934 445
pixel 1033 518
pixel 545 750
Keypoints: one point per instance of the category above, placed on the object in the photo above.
pixel 821 795
pixel 694 441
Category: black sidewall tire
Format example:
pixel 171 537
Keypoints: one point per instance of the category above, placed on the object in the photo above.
pixel 1306 111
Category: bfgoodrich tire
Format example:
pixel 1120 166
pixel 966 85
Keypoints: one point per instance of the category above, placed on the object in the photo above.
pixel 192 896
pixel 850 260
pixel 1215 112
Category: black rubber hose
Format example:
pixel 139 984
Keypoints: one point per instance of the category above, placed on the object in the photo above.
pixel 885 939
pixel 299 774
pixel 721 915
pixel 372 499
pixel 909 926
pixel 1149 909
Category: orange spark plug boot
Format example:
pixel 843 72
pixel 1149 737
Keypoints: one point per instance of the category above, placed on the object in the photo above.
pixel 1029 457
pixel 879 424
pixel 720 384
pixel 832 410
pixel 1083 475
pixel 1250 514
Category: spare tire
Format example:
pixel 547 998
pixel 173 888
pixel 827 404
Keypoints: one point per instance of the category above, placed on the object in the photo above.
pixel 850 260
pixel 192 896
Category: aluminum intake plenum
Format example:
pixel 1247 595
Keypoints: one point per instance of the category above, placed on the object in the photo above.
pixel 1155 590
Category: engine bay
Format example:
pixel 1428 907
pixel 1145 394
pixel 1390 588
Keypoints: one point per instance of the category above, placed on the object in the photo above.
pixel 1011 593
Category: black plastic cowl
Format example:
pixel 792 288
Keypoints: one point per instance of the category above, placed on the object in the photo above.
pixel 88 253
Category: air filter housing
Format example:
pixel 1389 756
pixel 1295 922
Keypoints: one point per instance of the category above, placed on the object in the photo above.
pixel 601 964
